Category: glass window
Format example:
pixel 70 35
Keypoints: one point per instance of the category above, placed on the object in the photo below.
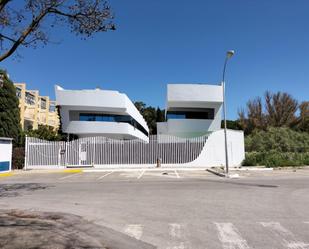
pixel 112 118
pixel 207 113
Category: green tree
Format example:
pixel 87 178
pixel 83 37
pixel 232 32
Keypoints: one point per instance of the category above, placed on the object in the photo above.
pixel 231 124
pixel 151 115
pixel 9 110
pixel 45 132
pixel 160 115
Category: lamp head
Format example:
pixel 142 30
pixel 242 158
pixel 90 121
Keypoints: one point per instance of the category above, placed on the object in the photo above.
pixel 230 53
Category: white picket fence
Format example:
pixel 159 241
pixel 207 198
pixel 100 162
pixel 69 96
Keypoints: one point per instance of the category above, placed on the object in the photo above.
pixel 100 151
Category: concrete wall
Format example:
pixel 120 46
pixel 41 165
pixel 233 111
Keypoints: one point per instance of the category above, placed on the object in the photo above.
pixel 5 154
pixel 193 94
pixel 213 153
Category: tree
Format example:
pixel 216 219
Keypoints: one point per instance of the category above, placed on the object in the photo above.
pixel 45 132
pixel 302 122
pixel 160 115
pixel 27 24
pixel 9 110
pixel 231 124
pixel 151 115
pixel 280 109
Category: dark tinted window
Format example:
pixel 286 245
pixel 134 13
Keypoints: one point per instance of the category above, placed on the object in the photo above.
pixel 112 118
pixel 204 114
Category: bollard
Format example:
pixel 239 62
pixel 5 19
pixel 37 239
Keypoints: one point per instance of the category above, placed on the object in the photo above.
pixel 158 162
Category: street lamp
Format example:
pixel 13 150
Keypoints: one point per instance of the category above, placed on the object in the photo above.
pixel 229 54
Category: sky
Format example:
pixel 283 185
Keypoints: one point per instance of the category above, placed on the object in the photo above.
pixel 176 41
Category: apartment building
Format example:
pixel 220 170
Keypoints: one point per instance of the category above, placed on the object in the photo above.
pixel 35 110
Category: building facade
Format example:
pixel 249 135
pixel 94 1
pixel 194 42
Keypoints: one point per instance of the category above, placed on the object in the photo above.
pixel 35 110
pixel 192 110
pixel 89 113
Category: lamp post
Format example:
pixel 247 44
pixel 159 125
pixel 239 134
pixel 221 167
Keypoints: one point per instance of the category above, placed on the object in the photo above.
pixel 229 54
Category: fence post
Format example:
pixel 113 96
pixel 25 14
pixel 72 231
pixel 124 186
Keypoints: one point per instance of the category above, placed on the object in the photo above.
pixel 26 152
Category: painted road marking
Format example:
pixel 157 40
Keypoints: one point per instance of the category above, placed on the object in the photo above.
pixel 134 230
pixel 69 176
pixel 105 175
pixel 6 174
pixel 176 232
pixel 141 174
pixel 286 237
pixel 176 173
pixel 230 236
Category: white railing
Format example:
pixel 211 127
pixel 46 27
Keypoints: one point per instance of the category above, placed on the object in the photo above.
pixel 95 151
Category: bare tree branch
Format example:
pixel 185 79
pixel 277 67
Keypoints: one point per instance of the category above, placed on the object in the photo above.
pixel 22 27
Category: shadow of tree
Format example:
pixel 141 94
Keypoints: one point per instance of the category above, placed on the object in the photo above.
pixel 12 190
pixel 50 230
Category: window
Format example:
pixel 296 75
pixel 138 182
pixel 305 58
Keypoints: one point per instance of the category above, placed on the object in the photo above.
pixel 18 92
pixel 112 118
pixel 52 108
pixel 30 99
pixel 43 104
pixel 207 113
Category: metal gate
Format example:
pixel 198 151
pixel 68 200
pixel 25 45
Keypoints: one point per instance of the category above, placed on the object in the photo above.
pixel 95 151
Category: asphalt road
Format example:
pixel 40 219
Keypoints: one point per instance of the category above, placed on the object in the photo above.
pixel 176 209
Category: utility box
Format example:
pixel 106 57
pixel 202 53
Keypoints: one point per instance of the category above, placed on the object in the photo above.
pixel 5 154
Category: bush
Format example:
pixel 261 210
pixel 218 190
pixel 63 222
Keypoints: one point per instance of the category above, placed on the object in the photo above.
pixel 18 158
pixel 277 139
pixel 276 159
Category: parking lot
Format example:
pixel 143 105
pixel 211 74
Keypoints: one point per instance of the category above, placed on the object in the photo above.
pixel 175 209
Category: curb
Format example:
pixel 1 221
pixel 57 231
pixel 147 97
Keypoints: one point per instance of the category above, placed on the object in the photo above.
pixel 72 171
pixel 231 176
pixel 216 173
pixel 6 174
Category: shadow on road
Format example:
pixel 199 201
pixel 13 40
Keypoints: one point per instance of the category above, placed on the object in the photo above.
pixel 25 229
pixel 16 189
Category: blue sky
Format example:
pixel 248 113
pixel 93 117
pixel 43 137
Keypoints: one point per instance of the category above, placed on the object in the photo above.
pixel 177 41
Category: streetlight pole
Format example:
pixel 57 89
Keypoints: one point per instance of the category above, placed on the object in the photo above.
pixel 229 54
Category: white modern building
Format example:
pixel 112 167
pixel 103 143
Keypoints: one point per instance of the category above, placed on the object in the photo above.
pixel 195 110
pixel 192 110
pixel 97 112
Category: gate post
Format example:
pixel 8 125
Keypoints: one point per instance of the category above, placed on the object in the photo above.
pixel 26 152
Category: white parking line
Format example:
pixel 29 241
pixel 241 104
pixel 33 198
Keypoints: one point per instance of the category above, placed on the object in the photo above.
pixel 177 233
pixel 286 237
pixel 230 237
pixel 105 175
pixel 65 177
pixel 176 173
pixel 134 230
pixel 141 174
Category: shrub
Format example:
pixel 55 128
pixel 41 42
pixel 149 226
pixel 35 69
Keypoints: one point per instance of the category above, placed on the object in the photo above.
pixel 277 139
pixel 18 158
pixel 276 159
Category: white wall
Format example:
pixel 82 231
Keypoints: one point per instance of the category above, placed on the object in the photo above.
pixel 213 153
pixel 193 94
pixel 106 129
pixel 5 154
